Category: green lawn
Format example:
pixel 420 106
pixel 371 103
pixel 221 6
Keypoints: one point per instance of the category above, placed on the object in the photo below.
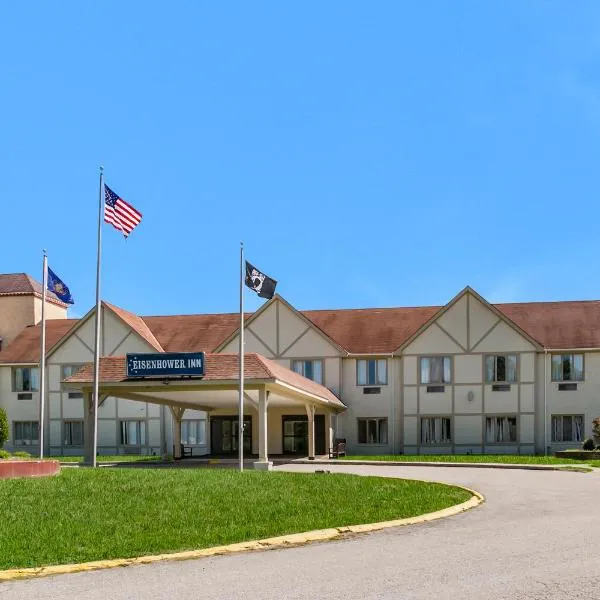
pixel 84 514
pixel 475 458
pixel 117 458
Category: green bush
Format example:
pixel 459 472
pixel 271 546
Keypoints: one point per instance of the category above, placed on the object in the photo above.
pixel 21 454
pixel 588 444
pixel 3 427
pixel 4 454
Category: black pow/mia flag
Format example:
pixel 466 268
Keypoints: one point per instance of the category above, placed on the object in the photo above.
pixel 263 285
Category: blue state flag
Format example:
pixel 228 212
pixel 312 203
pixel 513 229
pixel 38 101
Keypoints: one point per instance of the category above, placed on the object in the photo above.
pixel 56 285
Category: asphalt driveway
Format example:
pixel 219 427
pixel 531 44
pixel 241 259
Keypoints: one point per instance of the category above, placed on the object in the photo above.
pixel 536 537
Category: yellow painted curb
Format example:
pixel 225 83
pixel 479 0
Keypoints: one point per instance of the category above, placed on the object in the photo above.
pixel 284 541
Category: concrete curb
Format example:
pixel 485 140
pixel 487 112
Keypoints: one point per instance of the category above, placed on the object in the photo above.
pixel 394 463
pixel 284 541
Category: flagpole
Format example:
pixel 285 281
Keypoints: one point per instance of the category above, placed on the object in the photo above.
pixel 241 407
pixel 97 337
pixel 43 353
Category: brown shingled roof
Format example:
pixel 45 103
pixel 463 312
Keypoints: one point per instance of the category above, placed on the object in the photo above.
pixel 218 367
pixel 137 324
pixel 21 284
pixel 25 348
pixel 555 325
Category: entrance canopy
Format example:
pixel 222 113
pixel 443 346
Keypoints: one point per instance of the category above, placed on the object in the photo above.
pixel 266 384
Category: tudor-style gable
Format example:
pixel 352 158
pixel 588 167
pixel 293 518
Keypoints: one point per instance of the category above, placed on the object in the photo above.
pixel 277 330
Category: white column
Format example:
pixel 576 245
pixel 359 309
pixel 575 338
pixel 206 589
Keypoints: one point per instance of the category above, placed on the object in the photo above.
pixel 310 411
pixel 177 416
pixel 263 463
pixel 88 428
pixel 329 431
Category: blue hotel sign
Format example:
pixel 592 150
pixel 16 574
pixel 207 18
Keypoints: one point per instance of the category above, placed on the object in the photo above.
pixel 166 364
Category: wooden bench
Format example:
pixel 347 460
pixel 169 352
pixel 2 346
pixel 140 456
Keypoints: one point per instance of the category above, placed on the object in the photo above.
pixel 339 448
pixel 186 451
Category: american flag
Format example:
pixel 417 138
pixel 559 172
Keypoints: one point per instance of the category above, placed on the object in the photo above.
pixel 121 215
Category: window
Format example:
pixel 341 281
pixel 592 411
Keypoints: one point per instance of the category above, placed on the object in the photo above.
pixel 371 372
pixel 500 430
pixel 193 432
pixel 501 368
pixel 26 379
pixel 73 433
pixel 26 433
pixel 567 367
pixel 436 430
pixel 372 431
pixel 133 433
pixel 311 369
pixel 436 369
pixel 68 370
pixel 567 428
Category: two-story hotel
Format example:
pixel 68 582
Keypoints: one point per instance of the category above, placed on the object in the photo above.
pixel 466 377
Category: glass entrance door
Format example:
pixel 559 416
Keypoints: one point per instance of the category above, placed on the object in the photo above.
pixel 295 434
pixel 224 435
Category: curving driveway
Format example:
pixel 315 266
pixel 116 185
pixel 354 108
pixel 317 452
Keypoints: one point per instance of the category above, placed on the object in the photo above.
pixel 536 537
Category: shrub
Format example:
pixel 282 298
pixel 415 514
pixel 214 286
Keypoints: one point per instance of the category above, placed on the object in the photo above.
pixel 4 454
pixel 3 427
pixel 22 454
pixel 588 444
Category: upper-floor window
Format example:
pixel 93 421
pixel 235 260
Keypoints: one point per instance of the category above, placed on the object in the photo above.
pixel 68 370
pixel 436 369
pixel 501 368
pixel 371 372
pixel 311 369
pixel 26 379
pixel 567 367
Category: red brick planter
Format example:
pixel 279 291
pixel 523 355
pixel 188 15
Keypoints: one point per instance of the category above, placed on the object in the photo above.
pixel 28 468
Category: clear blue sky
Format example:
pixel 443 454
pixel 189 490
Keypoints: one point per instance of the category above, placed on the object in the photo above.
pixel 368 153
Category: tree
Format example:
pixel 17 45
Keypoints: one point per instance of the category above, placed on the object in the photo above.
pixel 3 427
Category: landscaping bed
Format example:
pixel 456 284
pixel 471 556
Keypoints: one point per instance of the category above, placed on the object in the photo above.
pixel 84 514
pixel 581 455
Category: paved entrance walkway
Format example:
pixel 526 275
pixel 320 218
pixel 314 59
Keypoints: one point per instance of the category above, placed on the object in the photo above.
pixel 537 537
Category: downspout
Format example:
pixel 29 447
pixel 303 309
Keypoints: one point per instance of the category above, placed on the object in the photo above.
pixel 545 403
pixel 393 375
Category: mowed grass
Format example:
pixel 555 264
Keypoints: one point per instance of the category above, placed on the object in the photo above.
pixel 475 458
pixel 120 458
pixel 84 514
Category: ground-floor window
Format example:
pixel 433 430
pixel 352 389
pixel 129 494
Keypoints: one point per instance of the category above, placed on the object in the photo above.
pixel 133 432
pixel 372 431
pixel 73 433
pixel 500 430
pixel 193 432
pixel 26 433
pixel 436 430
pixel 567 428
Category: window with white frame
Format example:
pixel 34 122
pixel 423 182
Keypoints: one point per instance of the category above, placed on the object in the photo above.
pixel 436 430
pixel 372 431
pixel 436 369
pixel 500 430
pixel 567 367
pixel 501 368
pixel 567 428
pixel 26 379
pixel 311 369
pixel 73 433
pixel 371 372
pixel 193 432
pixel 26 433
pixel 133 432
pixel 68 370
